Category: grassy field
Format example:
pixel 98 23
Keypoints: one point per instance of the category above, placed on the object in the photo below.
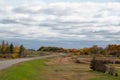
pixel 31 70
pixel 76 72
pixel 72 71
pixel 53 69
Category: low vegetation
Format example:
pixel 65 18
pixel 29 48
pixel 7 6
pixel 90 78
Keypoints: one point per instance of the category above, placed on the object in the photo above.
pixel 99 65
pixel 58 68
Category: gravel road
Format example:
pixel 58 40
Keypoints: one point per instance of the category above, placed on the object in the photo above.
pixel 7 63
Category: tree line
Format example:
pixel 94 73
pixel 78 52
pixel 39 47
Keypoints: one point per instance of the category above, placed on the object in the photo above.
pixel 14 51
pixel 111 49
pixel 10 50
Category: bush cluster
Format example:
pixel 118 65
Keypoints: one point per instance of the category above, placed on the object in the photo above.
pixel 97 65
pixel 100 66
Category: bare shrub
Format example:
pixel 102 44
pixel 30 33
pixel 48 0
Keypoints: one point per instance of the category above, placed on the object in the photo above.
pixel 98 65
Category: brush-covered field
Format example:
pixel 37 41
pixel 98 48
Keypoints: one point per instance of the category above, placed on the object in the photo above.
pixel 59 68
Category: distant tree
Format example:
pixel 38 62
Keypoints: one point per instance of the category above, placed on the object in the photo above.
pixel 112 49
pixel 52 49
pixel 31 50
pixel 3 47
pixel 15 52
pixel 16 49
pixel 94 49
pixel 0 49
pixel 85 51
pixel 10 51
pixel 93 63
pixel 11 48
pixel 21 51
pixel 7 51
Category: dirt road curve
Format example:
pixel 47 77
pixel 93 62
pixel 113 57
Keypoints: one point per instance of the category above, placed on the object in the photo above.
pixel 7 63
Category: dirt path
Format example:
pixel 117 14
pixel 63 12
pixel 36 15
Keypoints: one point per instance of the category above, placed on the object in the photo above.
pixel 7 63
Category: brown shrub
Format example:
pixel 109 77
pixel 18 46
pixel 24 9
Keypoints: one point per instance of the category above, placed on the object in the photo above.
pixel 100 66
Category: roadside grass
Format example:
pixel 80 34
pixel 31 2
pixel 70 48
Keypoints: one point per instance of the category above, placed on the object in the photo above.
pixel 30 70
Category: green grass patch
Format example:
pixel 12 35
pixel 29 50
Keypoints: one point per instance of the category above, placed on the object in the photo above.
pixel 30 70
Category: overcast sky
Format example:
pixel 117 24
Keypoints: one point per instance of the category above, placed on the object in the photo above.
pixel 60 22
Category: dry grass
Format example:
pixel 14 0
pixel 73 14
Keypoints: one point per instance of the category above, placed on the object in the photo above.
pixel 60 60
pixel 66 69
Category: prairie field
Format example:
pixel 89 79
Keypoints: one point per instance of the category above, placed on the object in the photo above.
pixel 58 68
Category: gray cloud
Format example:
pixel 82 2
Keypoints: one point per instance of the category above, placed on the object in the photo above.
pixel 61 21
pixel 8 21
